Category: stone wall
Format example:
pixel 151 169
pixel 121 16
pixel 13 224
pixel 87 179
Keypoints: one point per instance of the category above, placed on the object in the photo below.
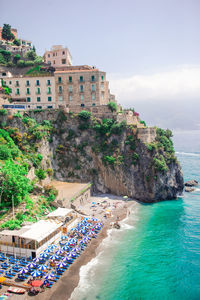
pixel 146 135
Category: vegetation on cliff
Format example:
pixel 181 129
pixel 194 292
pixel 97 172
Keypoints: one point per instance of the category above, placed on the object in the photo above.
pixel 80 147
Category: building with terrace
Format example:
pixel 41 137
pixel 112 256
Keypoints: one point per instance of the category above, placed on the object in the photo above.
pixel 58 57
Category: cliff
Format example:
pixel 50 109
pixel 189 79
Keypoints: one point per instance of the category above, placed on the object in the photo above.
pixel 116 157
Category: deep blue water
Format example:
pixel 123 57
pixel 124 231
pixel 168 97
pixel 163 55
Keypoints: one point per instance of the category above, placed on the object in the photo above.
pixel 158 254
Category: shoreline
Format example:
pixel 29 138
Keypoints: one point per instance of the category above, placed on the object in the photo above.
pixel 63 289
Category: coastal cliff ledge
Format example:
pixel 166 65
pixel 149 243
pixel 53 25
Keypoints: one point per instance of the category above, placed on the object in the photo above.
pixel 117 158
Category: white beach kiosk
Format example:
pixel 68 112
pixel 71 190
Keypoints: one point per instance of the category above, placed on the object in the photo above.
pixel 30 240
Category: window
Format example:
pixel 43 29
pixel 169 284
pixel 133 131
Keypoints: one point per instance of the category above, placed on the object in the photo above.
pixel 93 104
pixel 82 104
pixel 70 88
pixel 28 91
pixel 38 99
pixel 70 97
pixel 17 83
pixel 3 74
pixel 37 82
pixel 60 89
pixel 102 78
pixel 60 98
pixel 82 97
pixel 63 52
pixel 28 99
pixel 81 88
pixel 59 79
pixel 48 82
pixel 81 78
pixel 50 106
pixel 54 55
pixel 10 82
pixel 17 92
pixel 70 78
pixel 27 83
pixel 102 96
pixel 10 90
pixel 63 61
pixel 49 90
pixel 39 107
pixel 49 99
pixel 48 55
pixel 54 62
pixel 93 96
pixel 93 78
pixel 93 87
pixel 102 86
pixel 38 91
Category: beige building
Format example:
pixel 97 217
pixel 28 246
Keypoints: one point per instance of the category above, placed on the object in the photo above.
pixel 32 92
pixel 81 86
pixel 58 57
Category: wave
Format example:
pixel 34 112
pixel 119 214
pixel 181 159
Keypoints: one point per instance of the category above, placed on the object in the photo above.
pixel 188 153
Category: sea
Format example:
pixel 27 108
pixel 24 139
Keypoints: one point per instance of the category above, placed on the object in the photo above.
pixel 156 253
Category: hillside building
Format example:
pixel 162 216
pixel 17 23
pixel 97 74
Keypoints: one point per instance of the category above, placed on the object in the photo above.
pixel 31 92
pixel 58 57
pixel 82 86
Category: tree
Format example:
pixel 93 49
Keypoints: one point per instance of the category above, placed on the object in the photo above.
pixel 31 55
pixel 38 60
pixel 112 106
pixel 34 49
pixel 6 33
pixel 16 42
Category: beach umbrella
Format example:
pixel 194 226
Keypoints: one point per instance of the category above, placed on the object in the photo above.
pixel 58 252
pixel 64 237
pixel 42 267
pixel 44 255
pixel 76 249
pixel 35 273
pixel 49 276
pixel 82 231
pixel 23 271
pixel 68 259
pixel 31 265
pixel 61 265
pixel 73 241
pixel 66 248
pixel 37 259
pixel 72 254
pixel 47 250
pixel 94 219
pixel 52 247
pixel 54 257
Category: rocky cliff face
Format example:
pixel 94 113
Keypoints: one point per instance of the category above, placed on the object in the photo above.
pixel 111 155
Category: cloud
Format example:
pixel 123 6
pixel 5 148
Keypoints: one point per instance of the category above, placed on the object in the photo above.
pixel 181 83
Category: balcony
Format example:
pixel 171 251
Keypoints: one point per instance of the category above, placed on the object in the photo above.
pixel 49 93
pixel 27 84
pixel 37 93
pixel 28 93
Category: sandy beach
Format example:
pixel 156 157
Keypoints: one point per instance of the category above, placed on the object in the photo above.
pixel 117 209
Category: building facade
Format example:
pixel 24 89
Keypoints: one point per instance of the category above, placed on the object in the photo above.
pixel 58 57
pixel 81 86
pixel 32 92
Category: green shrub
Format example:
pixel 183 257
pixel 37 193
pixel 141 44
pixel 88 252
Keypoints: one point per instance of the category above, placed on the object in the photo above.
pixel 5 152
pixel 109 159
pixel 28 63
pixel 3 112
pixel 143 122
pixel 16 58
pixel 135 157
pixel 112 106
pixel 17 115
pixel 49 171
pixel 2 59
pixel 21 63
pixel 84 115
pixel 160 164
pixel 41 174
pixel 6 54
pixel 16 42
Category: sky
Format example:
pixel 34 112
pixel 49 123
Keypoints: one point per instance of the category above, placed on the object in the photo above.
pixel 150 49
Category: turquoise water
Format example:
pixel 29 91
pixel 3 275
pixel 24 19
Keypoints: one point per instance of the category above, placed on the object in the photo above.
pixel 158 254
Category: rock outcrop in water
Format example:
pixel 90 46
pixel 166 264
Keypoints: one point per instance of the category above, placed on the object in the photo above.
pixel 113 156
